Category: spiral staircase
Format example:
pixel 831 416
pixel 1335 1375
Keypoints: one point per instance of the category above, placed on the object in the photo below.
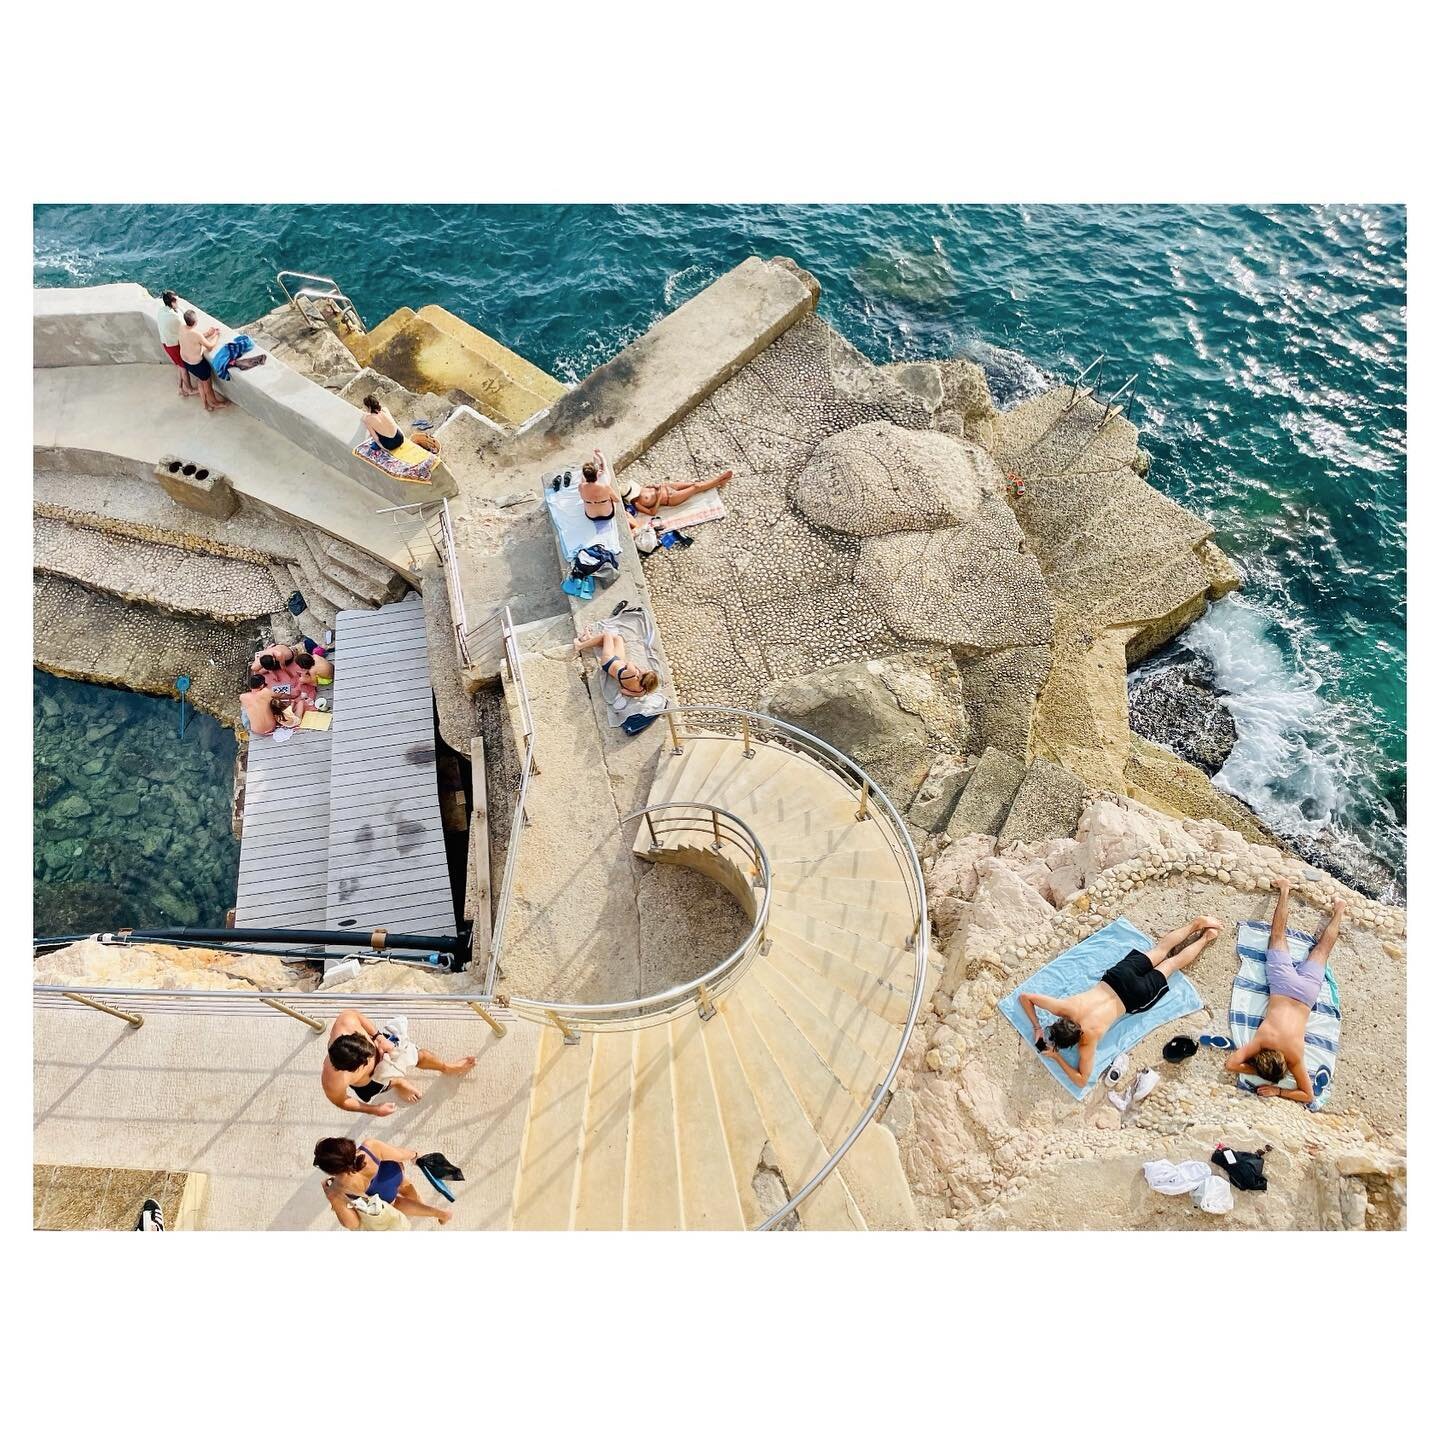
pixel 746 1096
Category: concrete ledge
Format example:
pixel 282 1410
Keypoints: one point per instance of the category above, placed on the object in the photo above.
pixel 114 325
pixel 96 325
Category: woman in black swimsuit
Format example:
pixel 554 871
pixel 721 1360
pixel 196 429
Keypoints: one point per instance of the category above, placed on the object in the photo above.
pixel 376 417
pixel 597 494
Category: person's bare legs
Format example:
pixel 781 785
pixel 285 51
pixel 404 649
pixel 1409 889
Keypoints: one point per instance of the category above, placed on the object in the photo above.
pixel 1281 916
pixel 1166 943
pixel 411 1204
pixel 1173 964
pixel 679 494
pixel 212 400
pixel 430 1061
pixel 1326 943
pixel 187 385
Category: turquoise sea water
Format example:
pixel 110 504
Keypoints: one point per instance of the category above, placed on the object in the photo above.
pixel 1270 344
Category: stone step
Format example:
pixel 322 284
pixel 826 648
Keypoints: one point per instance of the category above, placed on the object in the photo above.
pixel 600 1195
pixel 1047 805
pixel 319 590
pixel 652 1183
pixel 366 590
pixel 149 574
pixel 986 801
pixel 314 620
pixel 550 1151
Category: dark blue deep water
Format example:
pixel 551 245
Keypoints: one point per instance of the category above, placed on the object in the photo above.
pixel 1270 343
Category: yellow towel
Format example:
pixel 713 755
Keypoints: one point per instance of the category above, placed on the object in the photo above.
pixel 410 453
pixel 316 720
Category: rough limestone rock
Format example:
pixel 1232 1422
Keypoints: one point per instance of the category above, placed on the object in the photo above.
pixel 952 880
pixel 966 390
pixel 923 379
pixel 1005 906
pixel 1046 806
pixel 1179 786
pixel 876 711
pixel 935 800
pixel 981 810
pixel 974 587
pixel 880 478
pixel 1111 833
pixel 1000 692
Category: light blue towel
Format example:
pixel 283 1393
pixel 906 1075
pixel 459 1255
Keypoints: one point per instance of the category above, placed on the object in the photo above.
pixel 1251 995
pixel 574 529
pixel 1078 969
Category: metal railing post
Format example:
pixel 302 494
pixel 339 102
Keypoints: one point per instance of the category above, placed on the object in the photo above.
pixel 314 1024
pixel 571 1036
pixel 863 813
pixel 488 1018
pixel 675 746
pixel 136 1020
pixel 749 750
pixel 654 839
pixel 706 1008
pixel 715 828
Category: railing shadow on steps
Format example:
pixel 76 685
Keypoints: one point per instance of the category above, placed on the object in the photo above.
pixel 746 729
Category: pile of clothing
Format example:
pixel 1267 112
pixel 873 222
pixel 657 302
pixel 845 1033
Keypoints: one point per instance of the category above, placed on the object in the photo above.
pixel 1243 1170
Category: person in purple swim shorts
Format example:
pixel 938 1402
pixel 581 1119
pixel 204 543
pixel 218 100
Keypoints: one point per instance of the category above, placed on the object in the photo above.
pixel 1279 1043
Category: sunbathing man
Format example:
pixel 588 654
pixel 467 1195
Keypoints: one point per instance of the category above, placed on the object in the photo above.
pixel 357 1048
pixel 195 348
pixel 649 499
pixel 255 713
pixel 1133 985
pixel 632 680
pixel 1279 1043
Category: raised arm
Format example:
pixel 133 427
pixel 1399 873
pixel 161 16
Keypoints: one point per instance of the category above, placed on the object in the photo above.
pixel 1236 1060
pixel 1080 1074
pixel 381 1151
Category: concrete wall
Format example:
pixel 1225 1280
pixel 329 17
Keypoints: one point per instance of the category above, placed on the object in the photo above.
pixel 98 325
pixel 114 325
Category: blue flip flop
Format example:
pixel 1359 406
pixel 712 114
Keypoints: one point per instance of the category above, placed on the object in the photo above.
pixel 1218 1042
pixel 438 1183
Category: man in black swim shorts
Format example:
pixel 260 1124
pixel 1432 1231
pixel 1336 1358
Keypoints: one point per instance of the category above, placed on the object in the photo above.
pixel 195 348
pixel 1129 987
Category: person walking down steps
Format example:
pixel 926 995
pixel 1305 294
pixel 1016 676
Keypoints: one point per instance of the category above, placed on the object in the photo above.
pixel 365 1067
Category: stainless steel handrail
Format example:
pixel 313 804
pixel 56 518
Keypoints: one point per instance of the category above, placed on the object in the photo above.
pixel 520 819
pixel 334 294
pixel 701 820
pixel 1128 387
pixel 900 843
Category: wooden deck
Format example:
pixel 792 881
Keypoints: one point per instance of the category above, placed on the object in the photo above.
pixel 345 834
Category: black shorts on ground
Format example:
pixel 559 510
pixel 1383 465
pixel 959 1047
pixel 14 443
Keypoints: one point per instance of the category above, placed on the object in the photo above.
pixel 1136 981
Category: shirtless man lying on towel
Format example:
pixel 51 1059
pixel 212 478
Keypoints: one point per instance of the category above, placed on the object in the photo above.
pixel 1133 985
pixel 1279 1043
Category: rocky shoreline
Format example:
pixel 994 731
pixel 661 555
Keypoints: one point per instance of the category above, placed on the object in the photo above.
pixel 1175 703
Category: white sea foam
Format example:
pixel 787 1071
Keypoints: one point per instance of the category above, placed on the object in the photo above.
pixel 1287 762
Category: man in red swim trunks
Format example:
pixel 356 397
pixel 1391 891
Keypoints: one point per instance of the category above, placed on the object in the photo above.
pixel 168 310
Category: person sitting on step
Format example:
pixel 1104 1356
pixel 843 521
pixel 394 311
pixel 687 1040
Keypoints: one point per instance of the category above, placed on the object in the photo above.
pixel 1133 985
pixel 356 1050
pixel 597 490
pixel 315 667
pixel 381 424
pixel 632 680
pixel 1279 1043
pixel 255 713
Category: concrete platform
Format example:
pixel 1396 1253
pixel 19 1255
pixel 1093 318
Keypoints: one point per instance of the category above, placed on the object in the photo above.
pixel 134 411
pixel 239 1101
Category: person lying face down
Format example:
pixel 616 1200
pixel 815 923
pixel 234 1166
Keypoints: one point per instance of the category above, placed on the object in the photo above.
pixel 1279 1043
pixel 1133 985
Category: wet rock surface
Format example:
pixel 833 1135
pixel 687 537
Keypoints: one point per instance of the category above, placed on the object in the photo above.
pixel 141 838
pixel 1176 704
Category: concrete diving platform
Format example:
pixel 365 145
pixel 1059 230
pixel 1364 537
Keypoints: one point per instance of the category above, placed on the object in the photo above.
pixel 342 827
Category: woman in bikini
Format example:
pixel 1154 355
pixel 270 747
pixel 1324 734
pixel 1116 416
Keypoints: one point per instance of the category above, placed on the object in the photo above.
pixel 369 1168
pixel 381 424
pixel 632 680
pixel 649 499
pixel 597 491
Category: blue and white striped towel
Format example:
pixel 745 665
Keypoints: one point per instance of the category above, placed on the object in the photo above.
pixel 1251 994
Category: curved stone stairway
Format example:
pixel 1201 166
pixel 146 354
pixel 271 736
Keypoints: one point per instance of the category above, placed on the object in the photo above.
pixel 713 1123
